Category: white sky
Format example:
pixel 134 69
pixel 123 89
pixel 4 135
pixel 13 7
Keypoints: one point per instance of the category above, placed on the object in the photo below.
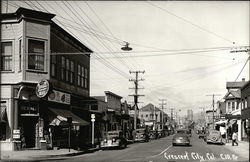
pixel 183 79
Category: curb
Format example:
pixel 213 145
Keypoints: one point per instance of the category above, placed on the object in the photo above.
pixel 50 157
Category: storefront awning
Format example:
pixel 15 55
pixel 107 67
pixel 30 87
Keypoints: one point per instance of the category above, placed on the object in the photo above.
pixel 221 122
pixel 62 115
pixel 231 122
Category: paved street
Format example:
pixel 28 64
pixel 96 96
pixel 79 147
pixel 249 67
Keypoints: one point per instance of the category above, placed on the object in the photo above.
pixel 161 150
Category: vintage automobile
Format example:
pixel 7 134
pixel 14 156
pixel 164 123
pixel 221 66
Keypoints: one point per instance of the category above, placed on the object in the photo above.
pixel 113 139
pixel 213 136
pixel 141 135
pixel 201 134
pixel 189 132
pixel 153 134
pixel 181 138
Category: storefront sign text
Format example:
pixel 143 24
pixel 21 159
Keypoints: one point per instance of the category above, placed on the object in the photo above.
pixel 42 88
pixel 60 97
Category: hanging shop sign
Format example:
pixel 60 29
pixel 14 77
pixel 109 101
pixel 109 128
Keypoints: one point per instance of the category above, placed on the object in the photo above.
pixel 43 88
pixel 29 109
pixel 60 97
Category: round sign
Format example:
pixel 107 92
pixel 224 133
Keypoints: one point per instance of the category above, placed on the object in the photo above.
pixel 93 120
pixel 92 116
pixel 42 88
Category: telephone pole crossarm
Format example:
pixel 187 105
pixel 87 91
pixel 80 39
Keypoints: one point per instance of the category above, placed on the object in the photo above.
pixel 136 95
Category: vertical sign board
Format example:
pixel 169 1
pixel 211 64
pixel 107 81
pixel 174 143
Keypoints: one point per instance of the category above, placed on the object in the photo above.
pixel 16 134
pixel 93 128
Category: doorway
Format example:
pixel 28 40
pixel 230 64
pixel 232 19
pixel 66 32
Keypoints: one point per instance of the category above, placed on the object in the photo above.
pixel 29 130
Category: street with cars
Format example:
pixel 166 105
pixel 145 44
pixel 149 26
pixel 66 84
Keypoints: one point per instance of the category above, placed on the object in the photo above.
pixel 163 150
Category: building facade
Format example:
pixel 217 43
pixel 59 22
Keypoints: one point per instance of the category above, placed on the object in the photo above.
pixel 42 83
pixel 245 111
pixel 233 103
pixel 152 116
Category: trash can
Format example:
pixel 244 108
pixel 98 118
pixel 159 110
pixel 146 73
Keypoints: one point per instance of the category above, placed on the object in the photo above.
pixel 43 145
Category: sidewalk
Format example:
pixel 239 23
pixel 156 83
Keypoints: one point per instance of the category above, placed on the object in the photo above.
pixel 242 149
pixel 31 155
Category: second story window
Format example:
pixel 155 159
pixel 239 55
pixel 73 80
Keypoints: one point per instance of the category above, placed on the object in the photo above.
pixel 67 70
pixel 72 72
pixel 85 78
pixel 233 106
pixel 36 55
pixel 229 106
pixel 6 60
pixel 79 75
pixel 53 65
pixel 63 67
pixel 82 76
pixel 20 54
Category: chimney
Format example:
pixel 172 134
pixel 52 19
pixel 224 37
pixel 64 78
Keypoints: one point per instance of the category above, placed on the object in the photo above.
pixel 243 79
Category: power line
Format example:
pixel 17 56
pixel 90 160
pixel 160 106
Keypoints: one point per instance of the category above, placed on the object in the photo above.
pixel 191 23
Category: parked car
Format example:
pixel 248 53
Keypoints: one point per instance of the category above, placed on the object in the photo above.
pixel 141 135
pixel 201 134
pixel 113 139
pixel 153 134
pixel 181 138
pixel 189 132
pixel 213 136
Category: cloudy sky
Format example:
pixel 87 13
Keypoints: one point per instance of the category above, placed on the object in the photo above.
pixel 183 46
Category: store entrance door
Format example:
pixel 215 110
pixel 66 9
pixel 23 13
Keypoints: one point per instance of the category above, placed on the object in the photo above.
pixel 29 130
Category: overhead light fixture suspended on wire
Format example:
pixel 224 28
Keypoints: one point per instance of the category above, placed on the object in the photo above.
pixel 126 47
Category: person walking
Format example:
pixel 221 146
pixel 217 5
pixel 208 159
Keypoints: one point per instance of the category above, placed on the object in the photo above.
pixel 234 138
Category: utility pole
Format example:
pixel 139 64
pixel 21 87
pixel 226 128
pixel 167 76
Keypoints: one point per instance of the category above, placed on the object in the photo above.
pixel 136 95
pixel 171 114
pixel 213 105
pixel 243 49
pixel 162 113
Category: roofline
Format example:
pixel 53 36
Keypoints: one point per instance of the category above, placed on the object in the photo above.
pixel 247 83
pixel 28 13
pixel 24 13
pixel 108 92
pixel 71 37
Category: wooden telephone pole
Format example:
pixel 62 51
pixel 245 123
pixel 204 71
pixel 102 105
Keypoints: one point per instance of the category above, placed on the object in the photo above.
pixel 136 95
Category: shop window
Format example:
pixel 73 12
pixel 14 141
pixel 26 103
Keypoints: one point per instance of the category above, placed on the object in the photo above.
pixel 36 55
pixel 3 120
pixel 6 60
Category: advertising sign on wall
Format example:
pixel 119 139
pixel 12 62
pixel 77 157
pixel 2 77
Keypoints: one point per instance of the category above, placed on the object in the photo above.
pixel 60 97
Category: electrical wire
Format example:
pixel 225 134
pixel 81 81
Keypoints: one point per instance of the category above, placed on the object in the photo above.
pixel 191 23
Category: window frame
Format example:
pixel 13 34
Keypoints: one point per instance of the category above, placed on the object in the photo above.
pixel 39 54
pixel 20 52
pixel 11 65
pixel 53 68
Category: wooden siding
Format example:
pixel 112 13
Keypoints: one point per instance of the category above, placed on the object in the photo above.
pixel 12 32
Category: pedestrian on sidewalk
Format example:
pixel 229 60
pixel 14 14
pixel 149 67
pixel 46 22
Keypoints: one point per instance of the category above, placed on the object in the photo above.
pixel 234 138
